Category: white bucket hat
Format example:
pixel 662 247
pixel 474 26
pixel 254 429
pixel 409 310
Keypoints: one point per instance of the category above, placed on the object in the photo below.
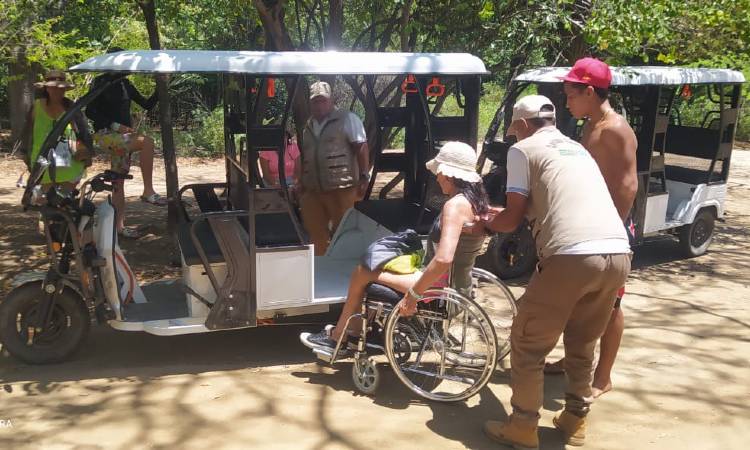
pixel 456 160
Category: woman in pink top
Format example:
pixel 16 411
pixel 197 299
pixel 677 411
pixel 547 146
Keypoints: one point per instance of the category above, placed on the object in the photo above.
pixel 269 164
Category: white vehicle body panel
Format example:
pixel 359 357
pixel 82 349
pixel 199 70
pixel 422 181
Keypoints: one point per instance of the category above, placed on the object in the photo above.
pixel 289 282
pixel 656 213
pixel 285 278
pixel 704 195
pixel 117 284
pixel 681 204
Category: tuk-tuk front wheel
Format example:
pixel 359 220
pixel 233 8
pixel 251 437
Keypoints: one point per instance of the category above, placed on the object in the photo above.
pixel 697 236
pixel 68 327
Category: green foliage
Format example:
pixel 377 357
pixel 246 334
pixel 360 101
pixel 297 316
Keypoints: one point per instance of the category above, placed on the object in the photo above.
pixel 209 135
pixel 685 32
pixel 691 32
pixel 492 95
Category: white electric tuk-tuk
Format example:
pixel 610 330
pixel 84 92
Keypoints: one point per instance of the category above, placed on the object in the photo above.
pixel 246 259
pixel 685 121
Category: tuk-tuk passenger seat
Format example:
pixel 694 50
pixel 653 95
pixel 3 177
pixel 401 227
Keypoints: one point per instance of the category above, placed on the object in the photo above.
pixel 698 147
pixel 270 230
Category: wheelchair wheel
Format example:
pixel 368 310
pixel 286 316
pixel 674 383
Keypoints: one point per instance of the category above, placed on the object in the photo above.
pixel 365 375
pixel 454 348
pixel 500 304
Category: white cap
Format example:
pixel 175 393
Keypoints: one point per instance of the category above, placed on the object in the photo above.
pixel 320 88
pixel 456 160
pixel 533 107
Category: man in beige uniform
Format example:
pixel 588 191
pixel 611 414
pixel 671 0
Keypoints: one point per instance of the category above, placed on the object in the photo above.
pixel 612 143
pixel 584 258
pixel 335 167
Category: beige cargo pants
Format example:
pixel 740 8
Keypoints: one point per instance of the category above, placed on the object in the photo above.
pixel 571 295
pixel 319 209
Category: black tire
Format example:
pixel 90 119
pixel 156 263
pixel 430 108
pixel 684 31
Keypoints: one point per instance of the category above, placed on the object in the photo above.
pixel 696 237
pixel 67 331
pixel 512 255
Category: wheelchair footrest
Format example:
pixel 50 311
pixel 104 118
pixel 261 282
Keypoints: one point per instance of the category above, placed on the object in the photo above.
pixel 323 354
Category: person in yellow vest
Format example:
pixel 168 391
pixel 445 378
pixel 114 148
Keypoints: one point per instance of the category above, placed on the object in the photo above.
pixel 335 166
pixel 40 121
pixel 584 259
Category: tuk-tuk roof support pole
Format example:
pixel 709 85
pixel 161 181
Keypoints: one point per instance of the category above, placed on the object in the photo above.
pixel 734 103
pixel 282 166
pixel 251 118
pixel 470 89
pixel 378 136
pixel 430 150
pixel 229 148
pixel 722 127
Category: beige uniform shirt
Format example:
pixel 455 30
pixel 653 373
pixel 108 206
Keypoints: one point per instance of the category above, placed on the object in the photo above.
pixel 569 203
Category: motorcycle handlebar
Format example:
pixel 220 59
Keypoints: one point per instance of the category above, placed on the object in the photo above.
pixel 109 175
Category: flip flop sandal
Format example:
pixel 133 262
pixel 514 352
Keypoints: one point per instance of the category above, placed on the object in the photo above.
pixel 155 199
pixel 131 233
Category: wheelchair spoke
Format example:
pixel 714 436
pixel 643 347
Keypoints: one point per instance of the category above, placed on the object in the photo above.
pixel 422 348
pixel 463 333
pixel 453 347
pixel 442 352
pixel 455 378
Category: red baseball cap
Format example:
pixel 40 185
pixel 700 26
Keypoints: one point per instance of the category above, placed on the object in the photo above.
pixel 590 71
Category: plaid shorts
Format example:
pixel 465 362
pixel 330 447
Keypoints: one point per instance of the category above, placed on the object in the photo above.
pixel 118 147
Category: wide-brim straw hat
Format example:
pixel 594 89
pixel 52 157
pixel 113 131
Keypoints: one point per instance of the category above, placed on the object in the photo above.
pixel 55 78
pixel 456 160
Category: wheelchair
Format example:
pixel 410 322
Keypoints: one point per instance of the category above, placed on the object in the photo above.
pixel 446 352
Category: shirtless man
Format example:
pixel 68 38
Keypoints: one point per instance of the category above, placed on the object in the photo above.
pixel 612 143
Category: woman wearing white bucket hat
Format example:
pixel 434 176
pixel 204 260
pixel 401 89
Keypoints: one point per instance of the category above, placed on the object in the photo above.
pixel 451 249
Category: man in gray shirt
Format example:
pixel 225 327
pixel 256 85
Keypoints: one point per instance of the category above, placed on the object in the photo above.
pixel 335 166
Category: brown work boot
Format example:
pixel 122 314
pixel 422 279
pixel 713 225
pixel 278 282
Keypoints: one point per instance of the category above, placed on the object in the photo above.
pixel 517 433
pixel 572 426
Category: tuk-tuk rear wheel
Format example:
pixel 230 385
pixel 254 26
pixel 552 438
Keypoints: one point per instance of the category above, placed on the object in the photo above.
pixel 512 255
pixel 697 236
pixel 67 330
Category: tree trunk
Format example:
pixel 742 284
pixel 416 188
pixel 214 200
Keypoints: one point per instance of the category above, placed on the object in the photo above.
pixel 20 94
pixel 335 24
pixel 165 118
pixel 272 19
pixel 278 39
pixel 404 32
pixel 574 41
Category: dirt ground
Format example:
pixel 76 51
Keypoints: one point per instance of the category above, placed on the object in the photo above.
pixel 681 381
